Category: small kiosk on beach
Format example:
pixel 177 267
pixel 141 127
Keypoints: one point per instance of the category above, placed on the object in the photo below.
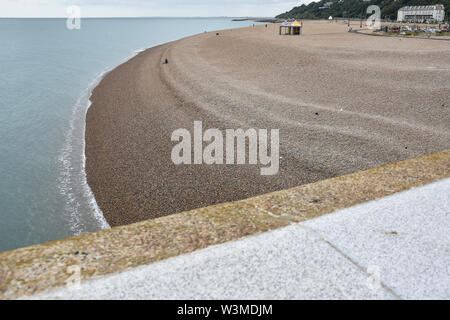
pixel 291 28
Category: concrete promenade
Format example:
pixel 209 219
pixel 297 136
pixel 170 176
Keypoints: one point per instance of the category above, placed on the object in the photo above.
pixel 397 247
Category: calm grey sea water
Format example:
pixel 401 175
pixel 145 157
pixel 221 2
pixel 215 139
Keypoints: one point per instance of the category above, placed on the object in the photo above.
pixel 46 76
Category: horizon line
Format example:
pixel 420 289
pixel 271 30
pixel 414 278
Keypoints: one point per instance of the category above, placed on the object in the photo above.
pixel 142 17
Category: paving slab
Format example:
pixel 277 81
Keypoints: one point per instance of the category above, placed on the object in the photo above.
pixel 288 263
pixel 404 238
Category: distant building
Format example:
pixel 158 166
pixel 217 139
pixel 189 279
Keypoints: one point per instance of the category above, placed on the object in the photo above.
pixel 434 13
pixel 326 5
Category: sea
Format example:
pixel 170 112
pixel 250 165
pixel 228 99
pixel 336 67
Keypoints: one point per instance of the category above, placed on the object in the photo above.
pixel 47 73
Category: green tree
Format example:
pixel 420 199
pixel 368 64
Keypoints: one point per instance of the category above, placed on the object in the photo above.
pixel 353 8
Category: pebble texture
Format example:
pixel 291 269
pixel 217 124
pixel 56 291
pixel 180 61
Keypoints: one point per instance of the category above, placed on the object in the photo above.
pixel 303 202
pixel 37 269
pixel 343 103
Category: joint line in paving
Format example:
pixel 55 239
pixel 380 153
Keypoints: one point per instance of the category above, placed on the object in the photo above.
pixel 314 232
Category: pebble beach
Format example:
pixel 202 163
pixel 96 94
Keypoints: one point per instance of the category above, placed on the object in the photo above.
pixel 343 103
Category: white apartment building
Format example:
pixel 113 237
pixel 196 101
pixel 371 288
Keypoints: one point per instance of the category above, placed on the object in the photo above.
pixel 435 13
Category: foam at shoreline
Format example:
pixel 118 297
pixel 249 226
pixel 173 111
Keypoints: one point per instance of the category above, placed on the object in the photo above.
pixel 85 214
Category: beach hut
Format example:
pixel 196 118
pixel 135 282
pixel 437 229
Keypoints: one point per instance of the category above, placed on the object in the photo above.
pixel 291 28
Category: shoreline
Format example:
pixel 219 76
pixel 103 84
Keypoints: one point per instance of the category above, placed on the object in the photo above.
pixel 138 104
pixel 75 175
